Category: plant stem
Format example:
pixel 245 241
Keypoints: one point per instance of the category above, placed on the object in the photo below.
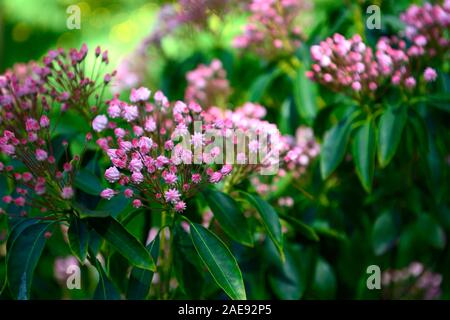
pixel 165 255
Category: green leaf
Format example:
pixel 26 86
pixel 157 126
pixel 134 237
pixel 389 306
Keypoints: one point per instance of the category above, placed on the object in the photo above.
pixel 89 213
pixel 431 232
pixel 187 265
pixel 88 182
pixel 220 262
pixel 141 279
pixel 78 235
pixel 123 241
pixel 384 233
pixel 269 218
pixel 106 290
pixel 439 100
pixel 23 257
pixel 262 84
pixel 364 154
pixel 301 227
pixel 17 230
pixel 390 131
pixel 334 146
pixel 229 216
pixel 324 285
pixel 305 93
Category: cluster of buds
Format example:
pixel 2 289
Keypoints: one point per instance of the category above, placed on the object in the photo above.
pixel 42 179
pixel 208 85
pixel 296 155
pixel 271 29
pixel 412 282
pixel 349 65
pixel 154 156
pixel 259 142
pixel 427 29
pixel 72 85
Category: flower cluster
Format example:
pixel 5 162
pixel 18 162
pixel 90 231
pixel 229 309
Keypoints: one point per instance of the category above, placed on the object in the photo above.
pixel 271 29
pixel 259 142
pixel 349 65
pixel 296 155
pixel 427 29
pixel 154 157
pixel 43 179
pixel 412 282
pixel 208 85
pixel 69 83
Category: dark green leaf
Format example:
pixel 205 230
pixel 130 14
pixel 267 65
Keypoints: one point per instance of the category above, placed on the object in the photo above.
pixel 301 227
pixel 334 146
pixel 123 241
pixel 23 257
pixel 141 279
pixel 269 218
pixel 364 154
pixel 229 216
pixel 220 262
pixel 105 290
pixel 305 93
pixel 324 284
pixel 390 131
pixel 384 233
pixel 78 234
pixel 87 182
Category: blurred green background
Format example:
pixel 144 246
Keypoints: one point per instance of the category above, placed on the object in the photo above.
pixel 29 28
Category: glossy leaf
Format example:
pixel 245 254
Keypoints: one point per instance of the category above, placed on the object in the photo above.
pixel 106 290
pixel 364 154
pixel 229 216
pixel 220 262
pixel 87 182
pixel 301 227
pixel 78 235
pixel 269 218
pixel 141 279
pixel 23 257
pixel 305 93
pixel 390 131
pixel 384 233
pixel 123 241
pixel 334 146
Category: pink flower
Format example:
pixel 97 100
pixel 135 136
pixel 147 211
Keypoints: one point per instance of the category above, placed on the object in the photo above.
pixel 141 94
pixel 112 174
pixel 150 124
pixel 180 206
pixel 170 178
pixel 99 123
pixel 172 195
pixel 44 121
pixel 135 165
pixel 137 203
pixel 410 82
pixel 215 177
pixel 107 194
pixel 137 177
pixel 226 169
pixel 31 125
pixel 130 113
pixel 430 74
pixel 356 86
pixel 114 110
pixel 20 201
pixel 67 193
pixel 128 193
pixel 196 178
pixel 197 139
pixel 41 155
pixel 7 199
